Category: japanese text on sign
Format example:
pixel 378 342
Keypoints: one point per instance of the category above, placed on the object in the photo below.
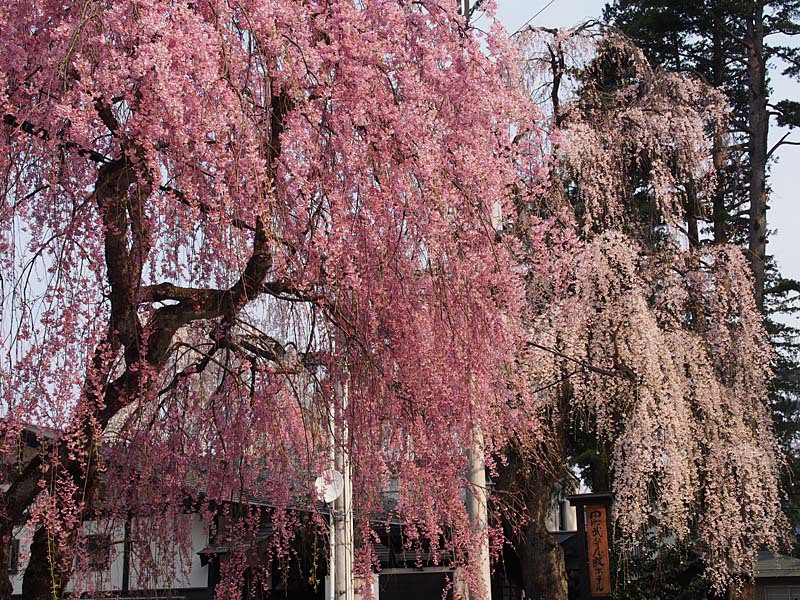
pixel 597 537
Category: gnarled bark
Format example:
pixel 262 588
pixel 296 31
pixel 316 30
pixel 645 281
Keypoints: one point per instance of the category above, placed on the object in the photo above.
pixel 528 480
pixel 145 348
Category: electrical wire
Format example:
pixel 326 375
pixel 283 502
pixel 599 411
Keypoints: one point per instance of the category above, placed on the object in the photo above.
pixel 540 11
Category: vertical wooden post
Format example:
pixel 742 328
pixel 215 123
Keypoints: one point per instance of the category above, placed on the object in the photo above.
pixel 126 557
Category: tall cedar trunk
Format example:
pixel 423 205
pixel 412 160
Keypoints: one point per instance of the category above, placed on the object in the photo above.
pixel 692 225
pixel 693 259
pixel 719 213
pixel 758 121
pixel 599 469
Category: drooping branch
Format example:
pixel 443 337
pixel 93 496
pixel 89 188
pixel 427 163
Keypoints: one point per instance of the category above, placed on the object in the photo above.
pixel 581 363
pixel 120 193
pixel 42 133
pixel 201 120
pixel 202 304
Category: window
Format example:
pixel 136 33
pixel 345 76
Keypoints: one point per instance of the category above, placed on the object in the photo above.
pixel 13 556
pixel 783 593
pixel 98 548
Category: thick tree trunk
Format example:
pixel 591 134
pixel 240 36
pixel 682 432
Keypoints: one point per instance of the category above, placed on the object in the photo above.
pixel 544 576
pixel 6 589
pixel 146 349
pixel 15 502
pixel 49 570
pixel 529 478
pixel 758 121
pixel 44 578
pixel 746 592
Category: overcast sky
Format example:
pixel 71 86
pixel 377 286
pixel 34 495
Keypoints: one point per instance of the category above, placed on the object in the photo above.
pixel 784 212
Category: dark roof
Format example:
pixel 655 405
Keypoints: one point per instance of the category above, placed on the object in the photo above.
pixel 563 536
pixel 264 534
pixel 34 435
pixel 583 499
pixel 776 565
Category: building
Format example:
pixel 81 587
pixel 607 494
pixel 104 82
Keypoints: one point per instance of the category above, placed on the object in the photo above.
pixel 191 568
pixel 777 577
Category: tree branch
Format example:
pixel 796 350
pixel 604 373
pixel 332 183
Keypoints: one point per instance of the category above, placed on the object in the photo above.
pixel 40 132
pixel 585 365
pixel 782 142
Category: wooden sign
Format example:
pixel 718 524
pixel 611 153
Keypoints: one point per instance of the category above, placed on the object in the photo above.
pixel 597 539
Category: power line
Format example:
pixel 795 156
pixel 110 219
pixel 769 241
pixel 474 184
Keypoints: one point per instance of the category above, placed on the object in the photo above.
pixel 541 10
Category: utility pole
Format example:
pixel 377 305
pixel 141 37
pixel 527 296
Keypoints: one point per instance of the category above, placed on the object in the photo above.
pixel 464 9
pixel 477 497
pixel 342 509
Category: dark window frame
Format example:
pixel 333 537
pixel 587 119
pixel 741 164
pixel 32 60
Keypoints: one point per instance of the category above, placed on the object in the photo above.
pixel 13 556
pixel 98 551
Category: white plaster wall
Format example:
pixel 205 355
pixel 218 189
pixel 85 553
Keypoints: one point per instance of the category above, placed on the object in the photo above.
pixel 196 576
pixel 23 534
pixel 185 564
pixel 571 517
pixel 360 584
pixel 110 579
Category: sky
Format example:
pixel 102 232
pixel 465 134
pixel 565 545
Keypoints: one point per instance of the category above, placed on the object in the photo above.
pixel 784 212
